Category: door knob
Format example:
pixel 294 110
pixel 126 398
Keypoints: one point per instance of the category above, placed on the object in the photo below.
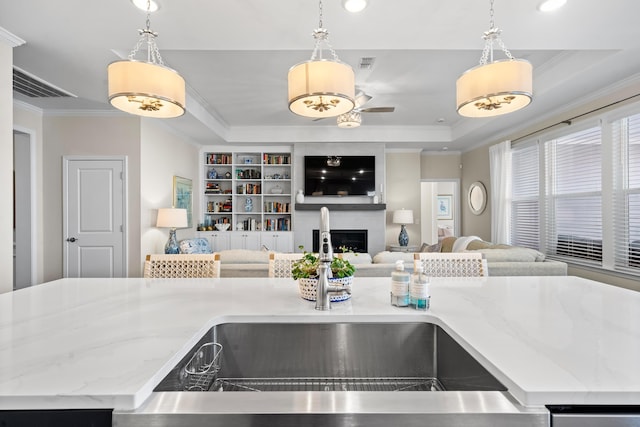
pixel 71 239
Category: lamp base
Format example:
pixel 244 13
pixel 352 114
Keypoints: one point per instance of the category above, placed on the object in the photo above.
pixel 172 244
pixel 403 238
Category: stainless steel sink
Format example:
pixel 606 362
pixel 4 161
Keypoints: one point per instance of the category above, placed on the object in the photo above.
pixel 337 357
pixel 334 374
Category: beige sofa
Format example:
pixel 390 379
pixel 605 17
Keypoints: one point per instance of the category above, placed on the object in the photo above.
pixel 501 261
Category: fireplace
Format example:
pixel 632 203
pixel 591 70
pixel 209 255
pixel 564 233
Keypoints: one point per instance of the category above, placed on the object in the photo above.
pixel 353 240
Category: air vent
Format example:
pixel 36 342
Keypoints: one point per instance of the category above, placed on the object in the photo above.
pixel 33 87
pixel 366 63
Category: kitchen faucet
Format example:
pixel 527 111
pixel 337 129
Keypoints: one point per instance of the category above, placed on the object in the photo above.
pixel 323 301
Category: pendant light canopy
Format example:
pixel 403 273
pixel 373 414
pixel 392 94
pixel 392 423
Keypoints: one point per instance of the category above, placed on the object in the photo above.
pixel 321 87
pixel 494 87
pixel 146 88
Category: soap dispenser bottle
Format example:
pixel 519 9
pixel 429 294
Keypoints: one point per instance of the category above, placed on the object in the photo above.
pixel 420 297
pixel 400 285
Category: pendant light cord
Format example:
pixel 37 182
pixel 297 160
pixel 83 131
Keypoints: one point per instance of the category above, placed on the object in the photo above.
pixel 321 35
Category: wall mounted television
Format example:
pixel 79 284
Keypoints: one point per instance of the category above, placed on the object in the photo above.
pixel 339 175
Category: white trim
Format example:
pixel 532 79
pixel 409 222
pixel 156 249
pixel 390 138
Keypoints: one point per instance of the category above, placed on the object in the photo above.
pixel 33 190
pixel 125 205
pixel 10 38
pixel 86 113
pixel 27 107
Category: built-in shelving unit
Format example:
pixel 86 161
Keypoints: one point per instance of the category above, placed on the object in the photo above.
pixel 250 191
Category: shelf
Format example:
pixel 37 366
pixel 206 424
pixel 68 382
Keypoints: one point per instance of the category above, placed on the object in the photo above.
pixel 250 175
pixel 341 206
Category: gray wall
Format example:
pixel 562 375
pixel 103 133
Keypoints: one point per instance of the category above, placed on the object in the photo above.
pixel 403 192
pixel 90 136
pixel 475 167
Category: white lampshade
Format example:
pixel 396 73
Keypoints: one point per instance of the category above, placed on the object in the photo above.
pixel 496 88
pixel 321 88
pixel 403 216
pixel 146 89
pixel 172 218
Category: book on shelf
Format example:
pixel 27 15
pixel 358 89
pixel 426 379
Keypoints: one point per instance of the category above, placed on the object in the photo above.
pixel 218 159
pixel 277 224
pixel 276 159
pixel 276 207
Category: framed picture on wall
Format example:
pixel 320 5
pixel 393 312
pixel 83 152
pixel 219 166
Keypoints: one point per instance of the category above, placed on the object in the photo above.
pixel 445 206
pixel 183 196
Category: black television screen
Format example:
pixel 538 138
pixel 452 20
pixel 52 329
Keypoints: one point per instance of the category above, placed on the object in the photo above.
pixel 339 175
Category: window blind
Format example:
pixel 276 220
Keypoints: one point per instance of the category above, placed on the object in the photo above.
pixel 573 198
pixel 525 197
pixel 626 141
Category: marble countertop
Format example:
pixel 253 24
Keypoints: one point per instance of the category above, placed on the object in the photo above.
pixel 106 343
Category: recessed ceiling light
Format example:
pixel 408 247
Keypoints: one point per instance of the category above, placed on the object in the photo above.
pixel 551 5
pixel 354 6
pixel 152 5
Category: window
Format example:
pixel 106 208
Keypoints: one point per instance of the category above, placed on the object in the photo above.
pixel 576 196
pixel 573 201
pixel 626 138
pixel 525 195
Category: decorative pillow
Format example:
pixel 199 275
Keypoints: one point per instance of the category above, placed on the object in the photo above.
pixel 462 242
pixel 244 256
pixel 447 244
pixel 387 257
pixel 430 248
pixel 198 245
pixel 481 244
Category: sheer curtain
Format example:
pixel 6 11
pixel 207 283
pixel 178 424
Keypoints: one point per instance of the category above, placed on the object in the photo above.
pixel 500 170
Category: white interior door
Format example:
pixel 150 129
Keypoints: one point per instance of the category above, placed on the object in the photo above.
pixel 94 217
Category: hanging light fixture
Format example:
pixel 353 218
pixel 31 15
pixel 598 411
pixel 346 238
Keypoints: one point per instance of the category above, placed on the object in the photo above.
pixel 494 87
pixel 354 6
pixel 321 87
pixel 146 88
pixel 352 119
pixel 334 161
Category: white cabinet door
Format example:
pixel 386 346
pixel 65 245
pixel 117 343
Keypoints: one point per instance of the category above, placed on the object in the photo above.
pixel 220 241
pixel 245 240
pixel 277 241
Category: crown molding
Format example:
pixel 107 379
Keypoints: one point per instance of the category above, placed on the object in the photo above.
pixel 27 107
pixel 10 38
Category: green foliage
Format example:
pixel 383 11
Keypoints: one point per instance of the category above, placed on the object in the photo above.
pixel 307 266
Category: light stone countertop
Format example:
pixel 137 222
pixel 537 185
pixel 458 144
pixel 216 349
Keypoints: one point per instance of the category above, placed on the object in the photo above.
pixel 106 343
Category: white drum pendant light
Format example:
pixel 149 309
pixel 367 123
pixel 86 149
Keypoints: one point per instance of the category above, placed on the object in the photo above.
pixel 494 87
pixel 321 87
pixel 146 88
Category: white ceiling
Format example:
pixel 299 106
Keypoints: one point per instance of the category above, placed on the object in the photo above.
pixel 234 56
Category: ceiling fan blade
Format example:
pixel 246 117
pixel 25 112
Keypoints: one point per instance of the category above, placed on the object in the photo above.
pixel 361 99
pixel 378 110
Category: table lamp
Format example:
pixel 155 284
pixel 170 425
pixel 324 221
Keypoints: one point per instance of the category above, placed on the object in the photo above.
pixel 403 217
pixel 172 218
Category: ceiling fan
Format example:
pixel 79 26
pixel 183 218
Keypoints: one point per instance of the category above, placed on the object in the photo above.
pixel 353 119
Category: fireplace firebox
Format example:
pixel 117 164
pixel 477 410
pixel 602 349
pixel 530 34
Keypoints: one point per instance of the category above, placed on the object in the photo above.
pixel 352 240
